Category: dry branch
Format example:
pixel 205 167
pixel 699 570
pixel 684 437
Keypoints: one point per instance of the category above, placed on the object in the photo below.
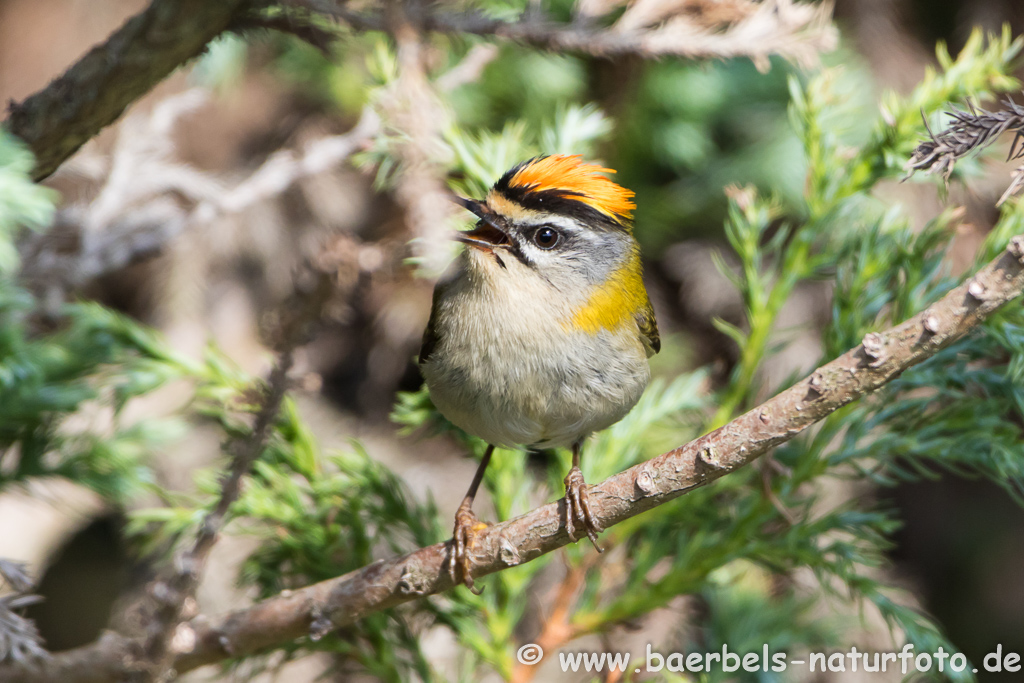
pixel 972 130
pixel 132 218
pixel 19 638
pixel 171 597
pixel 648 29
pixel 301 27
pixel 322 607
pixel 59 119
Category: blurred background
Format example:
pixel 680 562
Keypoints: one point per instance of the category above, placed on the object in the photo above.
pixel 679 134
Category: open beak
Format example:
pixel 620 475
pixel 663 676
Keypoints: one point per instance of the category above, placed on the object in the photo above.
pixel 488 233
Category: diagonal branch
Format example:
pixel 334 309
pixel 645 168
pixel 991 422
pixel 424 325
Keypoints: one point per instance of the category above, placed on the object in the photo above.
pixel 174 594
pixel 60 118
pixel 127 224
pixel 322 607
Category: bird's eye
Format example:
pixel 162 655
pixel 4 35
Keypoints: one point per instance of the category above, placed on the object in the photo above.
pixel 545 238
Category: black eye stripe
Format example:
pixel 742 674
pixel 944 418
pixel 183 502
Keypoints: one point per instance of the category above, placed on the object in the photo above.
pixel 517 251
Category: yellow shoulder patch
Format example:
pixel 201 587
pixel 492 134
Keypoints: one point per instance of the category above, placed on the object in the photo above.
pixel 621 300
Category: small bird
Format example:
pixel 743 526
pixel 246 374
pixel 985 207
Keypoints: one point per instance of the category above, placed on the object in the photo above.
pixel 540 332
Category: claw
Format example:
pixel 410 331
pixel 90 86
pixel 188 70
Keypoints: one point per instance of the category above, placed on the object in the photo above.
pixel 577 508
pixel 467 526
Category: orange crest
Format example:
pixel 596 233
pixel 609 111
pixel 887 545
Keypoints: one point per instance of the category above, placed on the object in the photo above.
pixel 579 181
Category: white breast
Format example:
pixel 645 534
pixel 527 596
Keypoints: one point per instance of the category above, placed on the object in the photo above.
pixel 506 370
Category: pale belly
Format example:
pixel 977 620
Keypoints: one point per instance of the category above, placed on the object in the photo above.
pixel 511 385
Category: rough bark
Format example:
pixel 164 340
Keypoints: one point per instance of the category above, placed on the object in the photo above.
pixel 59 119
pixel 322 607
pixel 64 115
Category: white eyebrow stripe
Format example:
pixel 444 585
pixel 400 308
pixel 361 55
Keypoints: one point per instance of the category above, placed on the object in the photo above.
pixel 552 219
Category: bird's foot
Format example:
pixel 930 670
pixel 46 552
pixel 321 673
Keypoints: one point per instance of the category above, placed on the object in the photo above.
pixel 467 526
pixel 577 508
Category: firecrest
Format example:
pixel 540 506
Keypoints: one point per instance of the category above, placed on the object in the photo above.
pixel 540 332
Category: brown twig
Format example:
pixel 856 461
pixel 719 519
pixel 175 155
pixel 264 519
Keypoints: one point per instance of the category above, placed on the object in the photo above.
pixel 61 117
pixel 302 27
pixel 795 31
pixel 173 597
pixel 174 594
pixel 128 222
pixel 93 93
pixel 19 638
pixel 1016 183
pixel 331 604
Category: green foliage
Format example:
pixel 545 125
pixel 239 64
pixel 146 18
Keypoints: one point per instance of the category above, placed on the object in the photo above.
pixel 959 412
pixel 687 130
pixel 87 365
pixel 22 203
pixel 65 383
pixel 745 614
pixel 531 86
pixel 481 157
pixel 884 272
pixel 318 517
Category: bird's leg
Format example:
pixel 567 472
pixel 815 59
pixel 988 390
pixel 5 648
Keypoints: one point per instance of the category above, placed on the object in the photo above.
pixel 467 525
pixel 577 503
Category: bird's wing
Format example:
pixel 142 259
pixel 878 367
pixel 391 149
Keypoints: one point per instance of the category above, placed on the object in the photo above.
pixel 648 329
pixel 431 336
